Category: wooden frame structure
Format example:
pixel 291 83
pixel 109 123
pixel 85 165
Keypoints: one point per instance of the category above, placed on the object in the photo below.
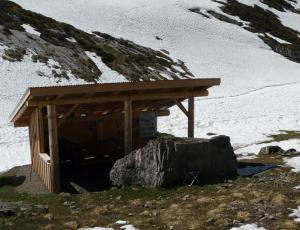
pixel 50 107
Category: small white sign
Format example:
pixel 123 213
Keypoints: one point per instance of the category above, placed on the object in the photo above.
pixel 147 125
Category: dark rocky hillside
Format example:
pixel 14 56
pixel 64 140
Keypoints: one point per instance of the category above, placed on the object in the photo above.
pixel 264 22
pixel 67 46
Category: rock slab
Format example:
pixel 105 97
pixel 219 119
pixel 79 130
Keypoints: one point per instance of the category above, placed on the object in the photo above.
pixel 166 162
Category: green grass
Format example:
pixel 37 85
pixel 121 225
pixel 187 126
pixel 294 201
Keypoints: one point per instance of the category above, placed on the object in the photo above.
pixel 284 136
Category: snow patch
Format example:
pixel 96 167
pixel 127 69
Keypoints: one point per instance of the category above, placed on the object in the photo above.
pixel 248 227
pixel 297 187
pixel 293 162
pixel 254 148
pixel 129 227
pixel 121 222
pixel 108 75
pixel 296 214
pixel 278 39
pixel 73 40
pixel 31 30
pixel 96 228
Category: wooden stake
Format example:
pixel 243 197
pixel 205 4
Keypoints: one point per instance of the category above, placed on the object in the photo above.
pixel 53 148
pixel 191 117
pixel 128 126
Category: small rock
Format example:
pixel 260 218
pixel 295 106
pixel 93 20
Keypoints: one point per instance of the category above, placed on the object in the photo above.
pixel 145 213
pixel 148 204
pixel 210 220
pixel 185 197
pixel 270 150
pixel 290 152
pixel 118 197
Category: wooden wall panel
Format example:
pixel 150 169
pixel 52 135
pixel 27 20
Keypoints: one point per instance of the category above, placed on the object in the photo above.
pixel 40 161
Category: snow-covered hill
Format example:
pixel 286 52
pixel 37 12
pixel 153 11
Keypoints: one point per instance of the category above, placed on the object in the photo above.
pixel 260 90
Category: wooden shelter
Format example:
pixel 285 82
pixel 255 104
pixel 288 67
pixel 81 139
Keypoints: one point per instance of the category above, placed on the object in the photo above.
pixel 100 117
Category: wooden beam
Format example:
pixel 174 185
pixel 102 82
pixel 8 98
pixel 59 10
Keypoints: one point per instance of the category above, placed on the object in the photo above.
pixel 122 87
pixel 180 106
pixel 53 148
pixel 67 114
pixel 114 98
pixel 117 116
pixel 128 126
pixel 191 117
pixel 59 96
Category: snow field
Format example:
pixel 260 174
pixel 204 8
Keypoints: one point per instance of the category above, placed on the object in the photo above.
pixel 260 90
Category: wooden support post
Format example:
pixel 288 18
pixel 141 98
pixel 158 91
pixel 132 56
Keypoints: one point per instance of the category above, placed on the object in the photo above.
pixel 53 148
pixel 41 136
pixel 128 126
pixel 191 117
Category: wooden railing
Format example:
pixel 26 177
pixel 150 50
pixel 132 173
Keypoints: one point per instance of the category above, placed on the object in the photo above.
pixel 43 168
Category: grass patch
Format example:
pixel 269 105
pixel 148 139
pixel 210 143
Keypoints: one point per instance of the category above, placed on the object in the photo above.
pixel 216 206
pixel 284 136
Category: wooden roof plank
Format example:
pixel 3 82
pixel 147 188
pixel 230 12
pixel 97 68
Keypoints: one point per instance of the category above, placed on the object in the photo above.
pixel 127 86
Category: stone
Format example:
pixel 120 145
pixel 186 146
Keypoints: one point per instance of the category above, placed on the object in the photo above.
pixel 20 209
pixel 165 162
pixel 290 152
pixel 71 225
pixel 185 197
pixel 270 150
pixel 49 216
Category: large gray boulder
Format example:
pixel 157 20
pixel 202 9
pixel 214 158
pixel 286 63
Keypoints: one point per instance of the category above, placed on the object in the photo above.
pixel 166 162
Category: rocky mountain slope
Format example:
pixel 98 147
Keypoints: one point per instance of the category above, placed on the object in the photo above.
pixel 258 18
pixel 24 32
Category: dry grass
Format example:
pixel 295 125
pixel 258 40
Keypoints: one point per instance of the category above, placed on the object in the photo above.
pixel 264 199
